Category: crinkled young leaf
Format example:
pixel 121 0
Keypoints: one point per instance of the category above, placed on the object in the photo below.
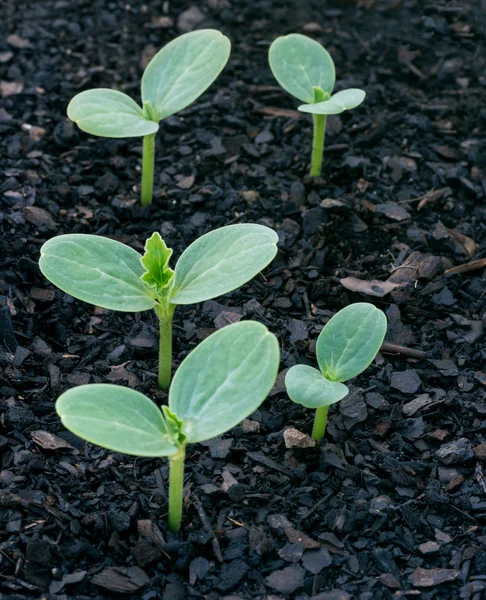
pixel 307 386
pixel 350 341
pixel 109 113
pixel 156 262
pixel 224 379
pixel 301 64
pixel 97 270
pixel 221 261
pixel 116 418
pixel 183 70
pixel 338 103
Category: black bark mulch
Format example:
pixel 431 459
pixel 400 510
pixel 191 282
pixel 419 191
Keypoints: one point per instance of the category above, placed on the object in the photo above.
pixel 393 502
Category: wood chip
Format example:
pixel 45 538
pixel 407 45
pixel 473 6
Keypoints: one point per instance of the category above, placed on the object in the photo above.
pixel 50 441
pixel 122 580
pixel 372 287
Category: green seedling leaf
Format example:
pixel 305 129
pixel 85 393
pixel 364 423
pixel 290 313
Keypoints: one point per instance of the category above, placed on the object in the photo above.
pixel 301 64
pixel 97 270
pixel 350 341
pixel 183 70
pixel 222 260
pixel 156 262
pixel 338 103
pixel 108 113
pixel 116 418
pixel 224 379
pixel 306 385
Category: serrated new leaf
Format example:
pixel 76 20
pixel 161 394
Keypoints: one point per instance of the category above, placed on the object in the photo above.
pixel 155 261
pixel 336 104
pixel 350 341
pixel 224 379
pixel 307 386
pixel 116 418
pixel 109 113
pixel 97 270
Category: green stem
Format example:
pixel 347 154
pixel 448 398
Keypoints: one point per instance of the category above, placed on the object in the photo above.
pixel 165 315
pixel 320 423
pixel 318 144
pixel 148 169
pixel 176 487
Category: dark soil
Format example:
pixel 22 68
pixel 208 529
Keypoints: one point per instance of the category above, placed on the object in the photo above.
pixel 393 502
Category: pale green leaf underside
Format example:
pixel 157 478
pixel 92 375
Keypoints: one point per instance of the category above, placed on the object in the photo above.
pixel 109 113
pixel 116 418
pixel 350 341
pixel 224 379
pixel 183 70
pixel 338 103
pixel 97 270
pixel 299 64
pixel 307 386
pixel 221 261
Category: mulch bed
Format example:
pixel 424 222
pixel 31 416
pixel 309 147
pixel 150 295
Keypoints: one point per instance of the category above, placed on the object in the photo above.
pixel 393 502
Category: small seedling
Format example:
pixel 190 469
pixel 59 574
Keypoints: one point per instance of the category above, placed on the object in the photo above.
pixel 174 78
pixel 305 70
pixel 110 274
pixel 217 385
pixel 345 347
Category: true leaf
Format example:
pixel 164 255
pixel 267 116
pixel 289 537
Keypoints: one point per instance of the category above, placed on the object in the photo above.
pixel 307 386
pixel 108 113
pixel 222 260
pixel 97 270
pixel 350 341
pixel 156 262
pixel 116 418
pixel 224 379
pixel 338 103
pixel 301 64
pixel 183 70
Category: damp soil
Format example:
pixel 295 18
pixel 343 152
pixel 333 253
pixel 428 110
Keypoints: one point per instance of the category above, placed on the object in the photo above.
pixel 392 504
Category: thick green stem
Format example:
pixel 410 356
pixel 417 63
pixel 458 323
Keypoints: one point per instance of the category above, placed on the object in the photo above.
pixel 148 168
pixel 318 144
pixel 320 423
pixel 165 315
pixel 176 487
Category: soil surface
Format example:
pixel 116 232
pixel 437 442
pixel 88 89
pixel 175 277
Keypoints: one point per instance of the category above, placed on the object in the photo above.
pixel 392 504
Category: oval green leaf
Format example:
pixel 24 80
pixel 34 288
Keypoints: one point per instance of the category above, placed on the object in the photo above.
pixel 224 379
pixel 307 386
pixel 116 418
pixel 350 341
pixel 97 270
pixel 108 113
pixel 338 103
pixel 221 261
pixel 301 64
pixel 183 70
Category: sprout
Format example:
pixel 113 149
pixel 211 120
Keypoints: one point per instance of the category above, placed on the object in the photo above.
pixel 112 275
pixel 345 347
pixel 217 385
pixel 174 78
pixel 306 70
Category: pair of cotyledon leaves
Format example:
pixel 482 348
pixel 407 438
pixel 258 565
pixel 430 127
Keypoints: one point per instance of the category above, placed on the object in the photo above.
pixel 345 347
pixel 175 77
pixel 306 70
pixel 217 385
pixel 112 275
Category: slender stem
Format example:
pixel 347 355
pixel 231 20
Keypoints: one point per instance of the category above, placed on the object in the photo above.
pixel 148 168
pixel 318 144
pixel 176 487
pixel 320 423
pixel 165 315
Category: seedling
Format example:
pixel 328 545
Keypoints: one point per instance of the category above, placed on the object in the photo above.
pixel 217 385
pixel 174 78
pixel 306 70
pixel 110 274
pixel 345 347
